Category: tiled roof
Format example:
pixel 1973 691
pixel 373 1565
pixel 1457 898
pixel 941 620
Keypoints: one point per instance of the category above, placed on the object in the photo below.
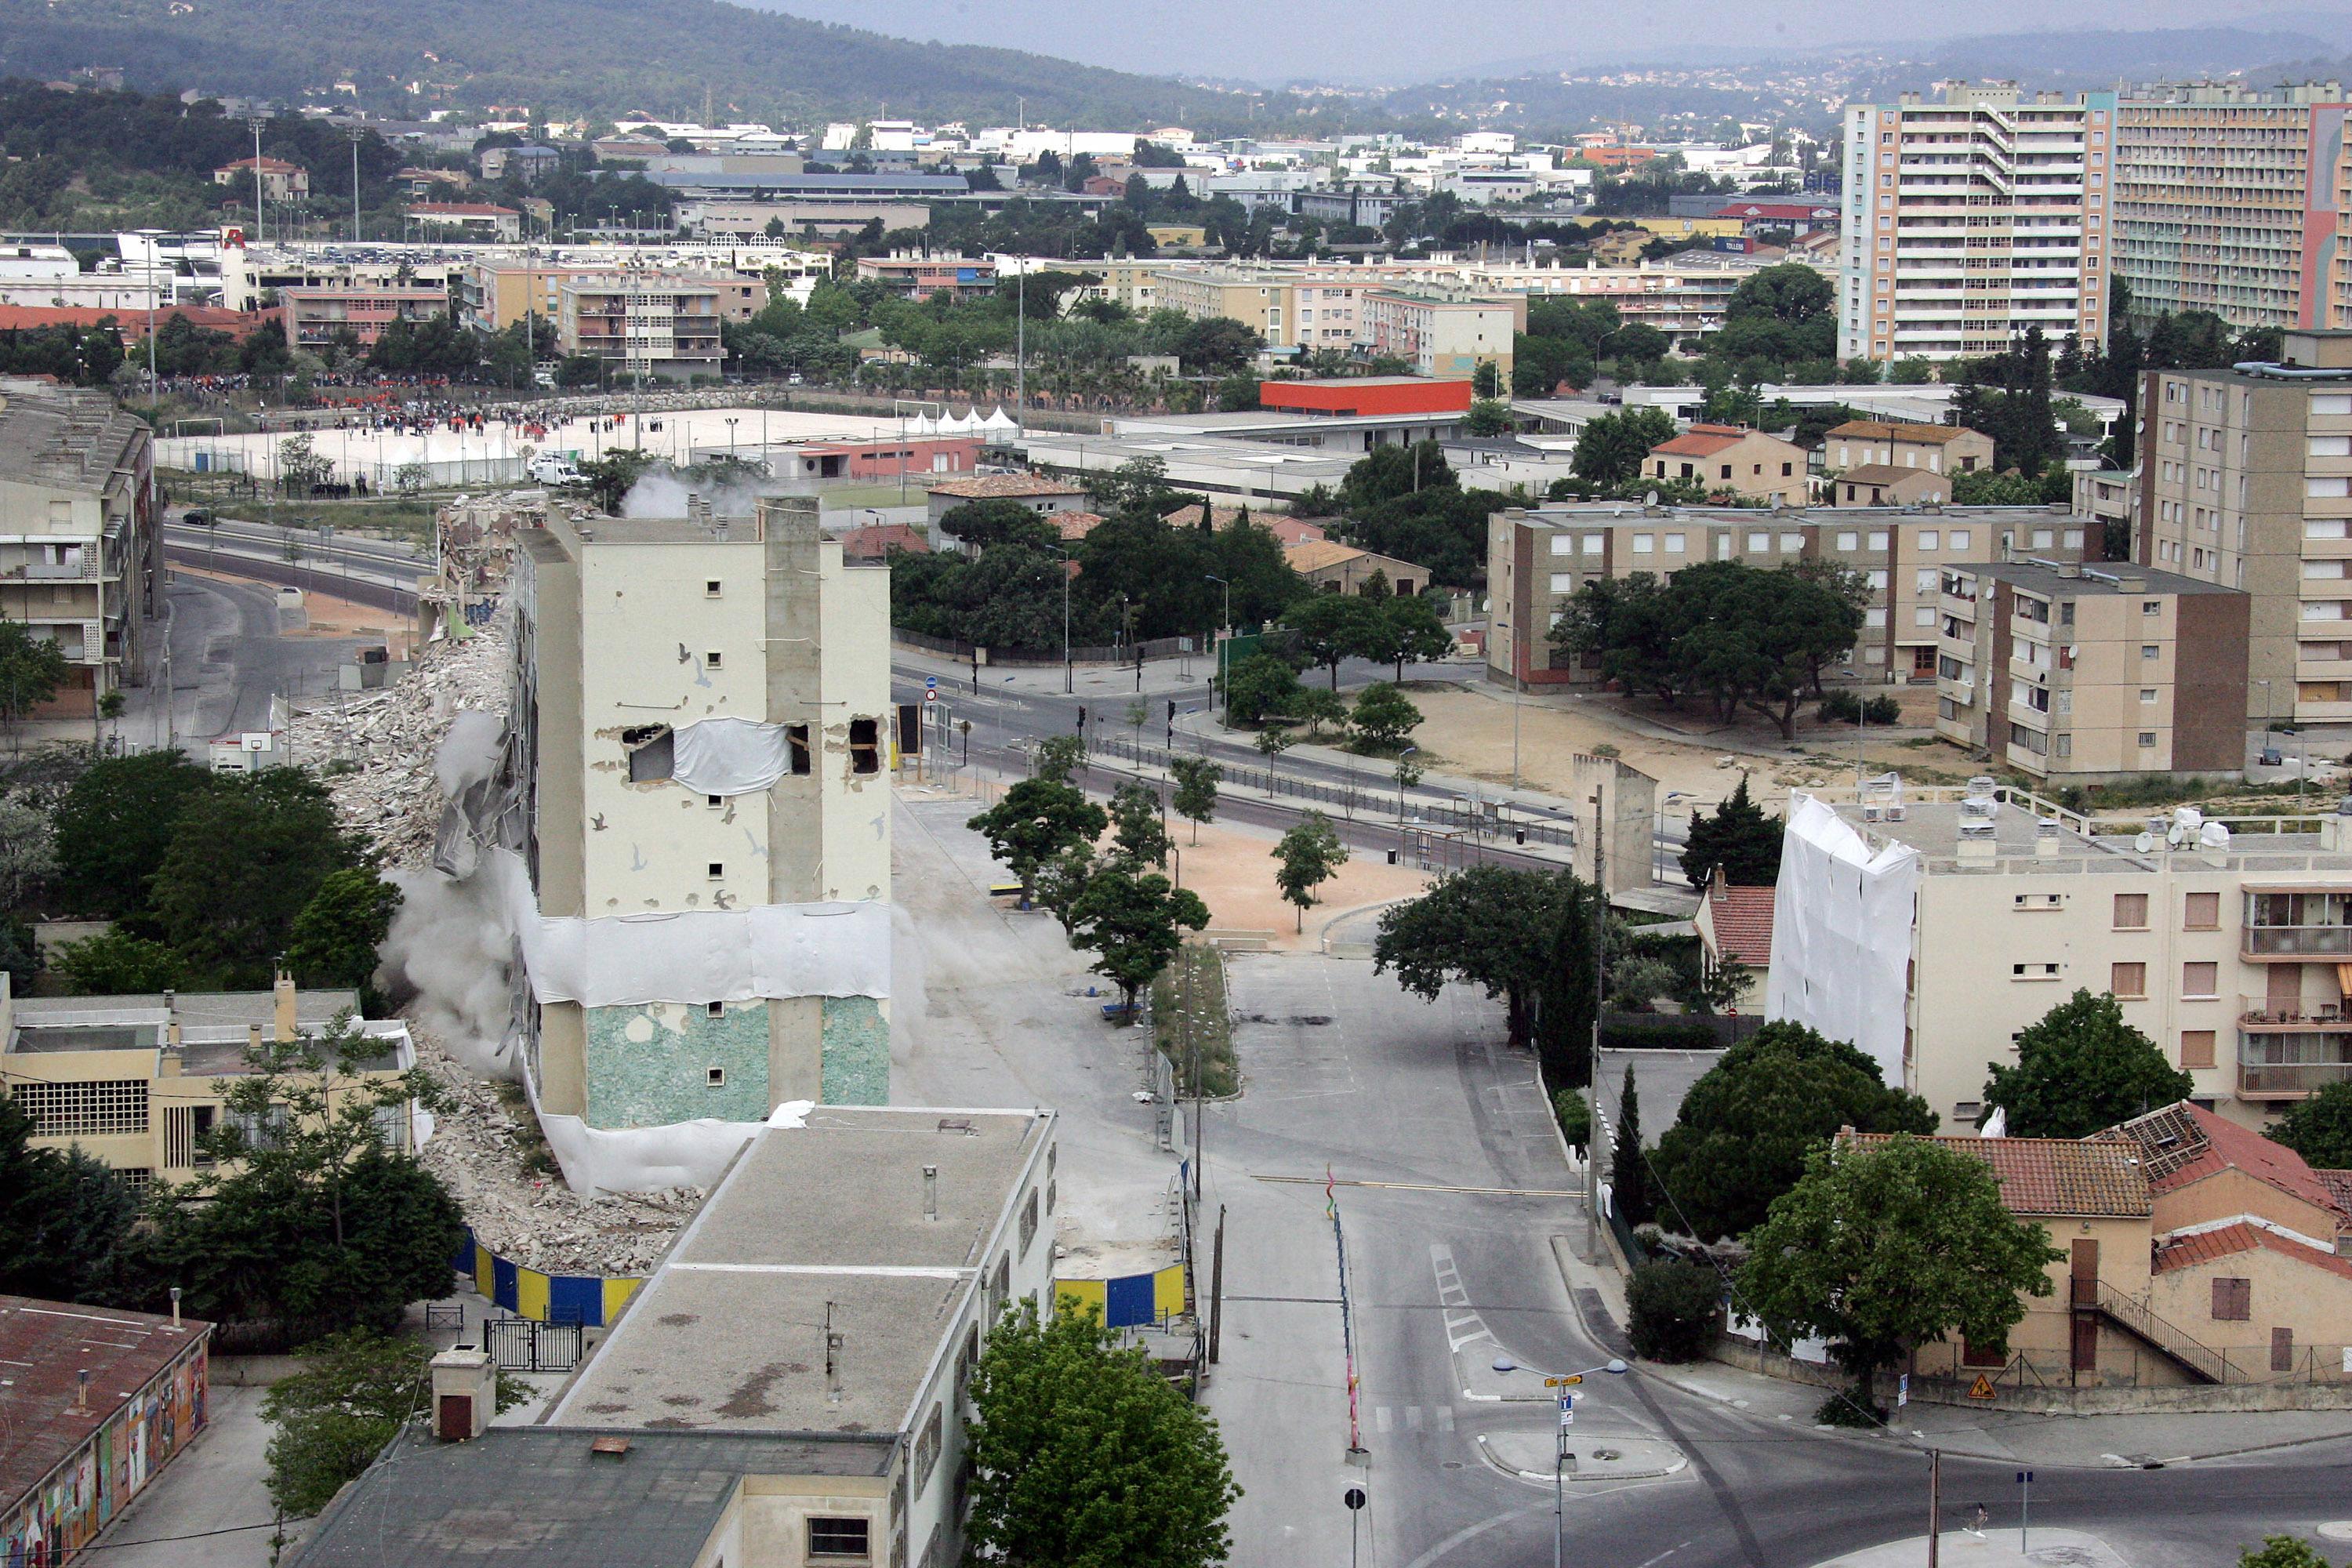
pixel 1006 487
pixel 1699 441
pixel 2339 1189
pixel 1075 524
pixel 1881 430
pixel 1315 555
pixel 1884 474
pixel 2207 1245
pixel 460 209
pixel 2056 1176
pixel 1742 918
pixel 877 540
pixel 2184 1143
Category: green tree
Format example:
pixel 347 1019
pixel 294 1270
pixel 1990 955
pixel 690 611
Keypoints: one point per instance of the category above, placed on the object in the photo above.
pixel 1521 936
pixel 309 1221
pixel 2319 1129
pixel 334 940
pixel 113 826
pixel 1629 1194
pixel 1260 686
pixel 1196 791
pixel 352 1396
pixel 1609 450
pixel 116 963
pixel 2080 1069
pixel 245 858
pixel 611 477
pixel 1738 838
pixel 1332 627
pixel 982 524
pixel 67 1220
pixel 1083 1455
pixel 1311 855
pixel 1575 1117
pixel 1058 757
pixel 31 670
pixel 2280 1552
pixel 1892 1246
pixel 1748 1125
pixel 1384 717
pixel 1133 921
pixel 1136 825
pixel 1673 1309
pixel 1408 626
pixel 1487 417
pixel 1486 380
pixel 1037 820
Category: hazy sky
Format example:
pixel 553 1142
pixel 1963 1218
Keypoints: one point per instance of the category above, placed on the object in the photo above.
pixel 1414 40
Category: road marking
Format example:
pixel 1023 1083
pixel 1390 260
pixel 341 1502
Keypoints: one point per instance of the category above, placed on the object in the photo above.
pixel 1463 1325
pixel 1662 1556
pixel 1381 1418
pixel 1423 1187
pixel 1445 1419
pixel 1412 1417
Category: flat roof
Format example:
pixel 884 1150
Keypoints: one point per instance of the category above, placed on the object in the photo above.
pixel 1585 514
pixel 534 1495
pixel 1933 829
pixel 44 1346
pixel 823 1222
pixel 2097 579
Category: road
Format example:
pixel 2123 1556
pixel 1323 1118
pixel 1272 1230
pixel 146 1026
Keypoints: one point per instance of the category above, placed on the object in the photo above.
pixel 366 572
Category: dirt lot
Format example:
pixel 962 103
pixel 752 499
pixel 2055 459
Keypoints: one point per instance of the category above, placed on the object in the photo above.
pixel 1232 870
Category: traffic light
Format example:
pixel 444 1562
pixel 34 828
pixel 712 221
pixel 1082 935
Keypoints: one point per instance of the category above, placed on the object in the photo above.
pixel 1081 720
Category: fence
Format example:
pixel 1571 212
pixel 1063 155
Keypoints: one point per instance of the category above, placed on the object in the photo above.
pixel 524 1345
pixel 1010 658
pixel 592 1301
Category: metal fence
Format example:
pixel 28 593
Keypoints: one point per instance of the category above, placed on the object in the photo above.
pixel 525 1345
pixel 1116 654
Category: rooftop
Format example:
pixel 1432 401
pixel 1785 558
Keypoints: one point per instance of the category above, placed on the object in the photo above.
pixel 67 440
pixel 1888 474
pixel 1008 487
pixel 2097 580
pixel 1742 920
pixel 2183 1143
pixel 1314 554
pixel 45 1345
pixel 2056 1176
pixel 460 209
pixel 1933 829
pixel 730 1333
pixel 426 1504
pixel 1884 430
pixel 1702 441
pixel 2187 1250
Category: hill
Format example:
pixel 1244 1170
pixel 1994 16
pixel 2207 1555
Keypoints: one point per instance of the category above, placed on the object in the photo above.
pixel 597 58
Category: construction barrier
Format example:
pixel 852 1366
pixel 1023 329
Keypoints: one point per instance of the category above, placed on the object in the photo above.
pixel 1130 1301
pixel 592 1301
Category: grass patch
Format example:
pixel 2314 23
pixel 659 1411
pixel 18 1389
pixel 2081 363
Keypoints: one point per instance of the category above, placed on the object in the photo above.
pixel 1205 1033
pixel 537 1158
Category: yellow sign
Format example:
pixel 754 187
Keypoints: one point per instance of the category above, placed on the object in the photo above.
pixel 1981 1388
pixel 1563 1382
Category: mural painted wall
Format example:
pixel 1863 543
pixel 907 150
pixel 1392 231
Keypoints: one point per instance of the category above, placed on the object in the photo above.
pixel 49 1525
pixel 673 1061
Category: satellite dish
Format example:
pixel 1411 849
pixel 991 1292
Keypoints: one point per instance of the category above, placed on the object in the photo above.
pixel 2144 843
pixel 2177 836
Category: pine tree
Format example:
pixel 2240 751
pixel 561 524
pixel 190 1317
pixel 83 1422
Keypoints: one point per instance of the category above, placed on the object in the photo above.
pixel 1739 839
pixel 1629 1178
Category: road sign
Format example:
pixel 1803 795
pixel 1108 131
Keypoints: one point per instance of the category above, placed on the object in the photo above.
pixel 1563 1382
pixel 931 695
pixel 1567 1419
pixel 1981 1388
pixel 1353 1497
pixel 1568 1402
pixel 2024 1478
pixel 931 683
pixel 1902 1391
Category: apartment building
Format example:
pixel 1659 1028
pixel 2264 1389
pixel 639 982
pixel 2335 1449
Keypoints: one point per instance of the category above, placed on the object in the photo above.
pixel 318 318
pixel 1537 558
pixel 2228 198
pixel 1293 310
pixel 82 556
pixel 1729 458
pixel 140 1081
pixel 2245 480
pixel 703 753
pixel 925 276
pixel 474 220
pixel 1938 448
pixel 1448 333
pixel 280 181
pixel 2222 948
pixel 2078 675
pixel 1972 215
pixel 642 324
pixel 493 289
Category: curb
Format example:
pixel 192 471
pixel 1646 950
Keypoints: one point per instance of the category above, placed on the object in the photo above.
pixel 1544 1477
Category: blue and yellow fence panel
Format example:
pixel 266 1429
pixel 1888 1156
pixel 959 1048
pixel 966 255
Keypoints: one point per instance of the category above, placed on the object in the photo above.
pixel 588 1299
pixel 1130 1301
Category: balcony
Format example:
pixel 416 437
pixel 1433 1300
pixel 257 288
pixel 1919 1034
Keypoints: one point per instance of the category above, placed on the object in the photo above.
pixel 2328 943
pixel 2310 1063
pixel 2262 1014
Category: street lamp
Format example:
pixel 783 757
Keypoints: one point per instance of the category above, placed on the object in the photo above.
pixel 1067 681
pixel 730 438
pixel 1225 642
pixel 1559 1447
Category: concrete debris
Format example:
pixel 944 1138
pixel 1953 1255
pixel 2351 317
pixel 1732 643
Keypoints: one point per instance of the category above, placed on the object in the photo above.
pixel 476 538
pixel 376 753
pixel 524 1211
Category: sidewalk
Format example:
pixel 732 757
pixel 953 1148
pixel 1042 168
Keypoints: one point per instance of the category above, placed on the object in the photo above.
pixel 2091 1442
pixel 1994 1549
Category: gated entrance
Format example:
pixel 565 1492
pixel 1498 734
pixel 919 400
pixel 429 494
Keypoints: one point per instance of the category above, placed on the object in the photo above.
pixel 522 1345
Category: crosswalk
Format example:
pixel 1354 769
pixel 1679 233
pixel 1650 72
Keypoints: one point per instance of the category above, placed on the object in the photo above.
pixel 1388 1418
pixel 1463 1325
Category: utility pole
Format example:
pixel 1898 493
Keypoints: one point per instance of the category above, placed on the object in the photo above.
pixel 1592 1075
pixel 260 226
pixel 1217 1287
pixel 1935 1505
pixel 356 133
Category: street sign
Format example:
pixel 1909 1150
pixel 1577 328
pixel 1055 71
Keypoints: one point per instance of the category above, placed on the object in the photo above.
pixel 1567 1419
pixel 2024 1478
pixel 1981 1388
pixel 1902 1391
pixel 1563 1382
pixel 931 695
pixel 1353 1497
pixel 1568 1402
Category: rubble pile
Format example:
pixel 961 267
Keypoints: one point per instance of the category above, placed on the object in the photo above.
pixel 476 538
pixel 484 1154
pixel 382 745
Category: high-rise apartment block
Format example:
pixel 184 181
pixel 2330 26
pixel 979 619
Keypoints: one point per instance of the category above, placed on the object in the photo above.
pixel 703 719
pixel 2245 480
pixel 1972 215
pixel 2229 199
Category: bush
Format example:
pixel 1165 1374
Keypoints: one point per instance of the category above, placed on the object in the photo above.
pixel 1673 1310
pixel 1657 1032
pixel 1575 1119
pixel 1882 711
pixel 1839 707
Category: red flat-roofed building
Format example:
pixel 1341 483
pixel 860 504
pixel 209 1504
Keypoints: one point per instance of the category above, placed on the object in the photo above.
pixel 1355 396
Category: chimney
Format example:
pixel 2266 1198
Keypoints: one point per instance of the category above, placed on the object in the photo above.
pixel 253 1037
pixel 81 1390
pixel 930 1192
pixel 465 1393
pixel 284 989
pixel 2045 840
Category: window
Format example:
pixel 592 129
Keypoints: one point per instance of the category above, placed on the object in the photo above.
pixel 1726 470
pixel 1792 543
pixel 2201 911
pixel 1563 582
pixel 1757 544
pixel 2038 901
pixel 1673 544
pixel 1593 544
pixel 711 588
pixel 796 741
pixel 2233 1301
pixel 2128 979
pixel 2148 694
pixel 1959 539
pixel 1849 541
pixel 718 869
pixel 712 659
pixel 1878 539
pixel 926 1450
pixel 2033 971
pixel 714 1077
pixel 1787 470
pixel 1645 543
pixel 2148 738
pixel 2152 606
pixel 654 755
pixel 84 1109
pixel 2196 1048
pixel 2131 911
pixel 1923 616
pixel 1927 542
pixel 864 746
pixel 714 1009
pixel 2198 980
pixel 1029 1217
pixel 1563 545
pixel 1923 580
pixel 835 1537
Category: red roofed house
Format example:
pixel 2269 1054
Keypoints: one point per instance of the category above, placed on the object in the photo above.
pixel 280 181
pixel 876 540
pixel 1748 463
pixel 1735 925
pixel 2197 1252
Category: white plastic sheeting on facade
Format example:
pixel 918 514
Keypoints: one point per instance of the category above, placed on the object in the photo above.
pixel 641 1159
pixel 729 756
pixel 699 956
pixel 1841 919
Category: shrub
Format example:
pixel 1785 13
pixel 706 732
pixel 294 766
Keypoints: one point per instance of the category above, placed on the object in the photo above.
pixel 1673 1310
pixel 1575 1119
pixel 1882 711
pixel 1838 708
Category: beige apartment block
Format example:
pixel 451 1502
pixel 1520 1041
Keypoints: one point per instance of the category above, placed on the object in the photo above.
pixel 1972 215
pixel 1880 484
pixel 2079 675
pixel 1944 449
pixel 1537 557
pixel 2245 480
pixel 81 555
pixel 1259 298
pixel 1745 462
pixel 705 728
pixel 2227 200
pixel 642 324
pixel 1443 333
pixel 2227 954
